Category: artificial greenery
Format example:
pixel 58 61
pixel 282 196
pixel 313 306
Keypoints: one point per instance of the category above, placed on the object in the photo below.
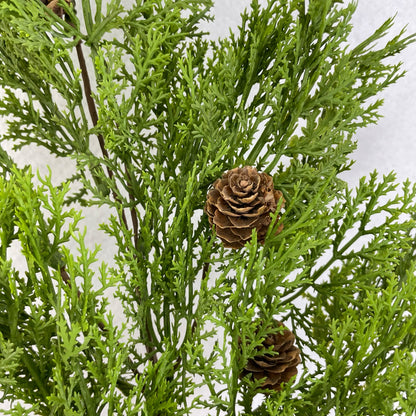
pixel 152 112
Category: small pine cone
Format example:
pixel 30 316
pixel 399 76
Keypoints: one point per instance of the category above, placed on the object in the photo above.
pixel 242 199
pixel 276 368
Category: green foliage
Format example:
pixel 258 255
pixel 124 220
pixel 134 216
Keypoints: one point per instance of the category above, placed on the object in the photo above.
pixel 53 353
pixel 165 113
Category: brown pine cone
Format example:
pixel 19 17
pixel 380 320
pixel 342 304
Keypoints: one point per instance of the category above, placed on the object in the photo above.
pixel 241 200
pixel 276 368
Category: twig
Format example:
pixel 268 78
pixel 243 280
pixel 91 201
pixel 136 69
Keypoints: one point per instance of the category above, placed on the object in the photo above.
pixel 94 116
pixel 90 100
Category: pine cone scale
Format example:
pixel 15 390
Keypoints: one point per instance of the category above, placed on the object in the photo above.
pixel 244 233
pixel 231 196
pixel 222 220
pixel 243 222
pixel 260 364
pixel 228 236
pixel 241 209
pixel 225 208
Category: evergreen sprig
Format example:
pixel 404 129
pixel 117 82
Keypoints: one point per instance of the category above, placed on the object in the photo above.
pixel 152 112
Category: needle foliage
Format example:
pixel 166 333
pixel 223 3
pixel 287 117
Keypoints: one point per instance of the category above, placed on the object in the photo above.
pixel 152 112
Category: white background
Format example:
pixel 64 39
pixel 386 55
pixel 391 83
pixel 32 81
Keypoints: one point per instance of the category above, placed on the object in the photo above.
pixel 389 145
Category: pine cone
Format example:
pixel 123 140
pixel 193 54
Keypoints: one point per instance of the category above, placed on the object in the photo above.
pixel 241 200
pixel 276 368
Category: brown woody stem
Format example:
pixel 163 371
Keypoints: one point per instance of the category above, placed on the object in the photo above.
pixel 88 95
pixel 94 115
pixel 94 118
